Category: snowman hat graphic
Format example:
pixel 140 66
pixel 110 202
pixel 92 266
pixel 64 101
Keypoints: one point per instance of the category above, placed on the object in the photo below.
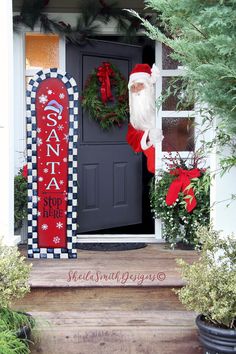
pixel 53 105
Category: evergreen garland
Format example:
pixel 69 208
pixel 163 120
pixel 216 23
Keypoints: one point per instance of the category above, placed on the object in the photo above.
pixel 91 15
pixel 107 114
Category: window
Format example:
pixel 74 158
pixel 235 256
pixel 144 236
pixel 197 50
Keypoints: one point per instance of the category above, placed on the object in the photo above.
pixel 176 119
pixel 178 134
pixel 41 51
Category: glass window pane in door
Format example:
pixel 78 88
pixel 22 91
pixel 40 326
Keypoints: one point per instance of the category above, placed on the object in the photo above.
pixel 176 100
pixel 41 51
pixel 178 134
pixel 167 62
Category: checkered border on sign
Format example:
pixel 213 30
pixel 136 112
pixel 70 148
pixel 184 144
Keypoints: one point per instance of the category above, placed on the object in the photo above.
pixel 33 250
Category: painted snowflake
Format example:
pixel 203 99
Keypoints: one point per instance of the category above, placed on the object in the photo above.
pixel 39 198
pixel 39 141
pixel 61 96
pixel 61 182
pixel 43 99
pixel 38 130
pixel 66 137
pixel 59 225
pixel 40 179
pixel 49 92
pixel 45 170
pixel 65 159
pixel 39 213
pixel 56 239
pixel 44 227
pixel 60 127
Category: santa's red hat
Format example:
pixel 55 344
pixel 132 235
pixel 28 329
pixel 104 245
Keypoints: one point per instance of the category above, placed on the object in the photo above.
pixel 143 72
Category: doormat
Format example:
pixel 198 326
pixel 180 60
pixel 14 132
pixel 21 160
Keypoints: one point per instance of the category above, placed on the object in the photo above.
pixel 110 246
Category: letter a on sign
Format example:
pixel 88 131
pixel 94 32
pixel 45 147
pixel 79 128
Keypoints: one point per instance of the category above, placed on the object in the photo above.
pixel 52 132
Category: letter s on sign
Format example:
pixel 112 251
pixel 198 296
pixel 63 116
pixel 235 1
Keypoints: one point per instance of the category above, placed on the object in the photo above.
pixel 52 119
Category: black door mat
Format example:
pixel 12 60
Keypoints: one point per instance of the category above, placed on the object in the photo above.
pixel 110 246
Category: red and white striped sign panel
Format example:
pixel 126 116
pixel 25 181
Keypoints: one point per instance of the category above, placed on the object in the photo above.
pixel 52 131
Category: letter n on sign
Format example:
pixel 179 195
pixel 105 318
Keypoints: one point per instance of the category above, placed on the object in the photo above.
pixel 52 133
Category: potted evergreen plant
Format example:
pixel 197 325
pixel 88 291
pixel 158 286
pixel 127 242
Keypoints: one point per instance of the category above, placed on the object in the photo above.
pixel 15 326
pixel 210 290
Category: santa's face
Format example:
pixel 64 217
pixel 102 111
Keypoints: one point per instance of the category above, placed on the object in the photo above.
pixel 137 87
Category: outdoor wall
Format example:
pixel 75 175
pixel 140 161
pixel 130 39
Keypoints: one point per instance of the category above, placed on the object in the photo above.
pixel 224 208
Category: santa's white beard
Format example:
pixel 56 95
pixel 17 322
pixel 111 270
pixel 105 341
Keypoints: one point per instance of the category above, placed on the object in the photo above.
pixel 142 108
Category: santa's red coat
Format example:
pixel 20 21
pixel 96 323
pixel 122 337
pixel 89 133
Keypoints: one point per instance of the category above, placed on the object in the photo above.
pixel 134 138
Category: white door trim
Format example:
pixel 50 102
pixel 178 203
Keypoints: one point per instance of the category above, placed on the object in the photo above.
pixel 7 126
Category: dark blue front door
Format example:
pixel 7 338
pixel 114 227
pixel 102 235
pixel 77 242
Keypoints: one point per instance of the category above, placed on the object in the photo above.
pixel 109 172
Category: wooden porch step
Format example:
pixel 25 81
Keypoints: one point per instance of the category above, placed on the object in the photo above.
pixel 100 299
pixel 154 265
pixel 128 332
pixel 105 320
pixel 78 315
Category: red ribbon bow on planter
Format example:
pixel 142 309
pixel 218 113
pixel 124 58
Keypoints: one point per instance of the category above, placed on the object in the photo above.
pixel 180 184
pixel 104 72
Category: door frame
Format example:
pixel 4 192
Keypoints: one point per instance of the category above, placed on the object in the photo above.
pixel 148 238
pixel 20 74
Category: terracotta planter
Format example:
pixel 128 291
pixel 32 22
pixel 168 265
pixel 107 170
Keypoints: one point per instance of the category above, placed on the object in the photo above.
pixel 216 340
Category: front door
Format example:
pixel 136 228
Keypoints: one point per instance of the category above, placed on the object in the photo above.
pixel 109 172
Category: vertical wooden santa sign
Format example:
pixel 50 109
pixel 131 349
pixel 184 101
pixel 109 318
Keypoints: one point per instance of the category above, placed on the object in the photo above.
pixel 52 132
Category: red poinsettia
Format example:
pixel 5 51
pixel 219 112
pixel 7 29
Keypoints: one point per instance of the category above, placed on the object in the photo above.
pixel 25 171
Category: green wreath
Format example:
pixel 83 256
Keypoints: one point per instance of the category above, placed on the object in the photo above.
pixel 114 111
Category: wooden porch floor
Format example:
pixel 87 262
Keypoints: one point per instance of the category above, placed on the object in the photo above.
pixel 154 265
pixel 88 315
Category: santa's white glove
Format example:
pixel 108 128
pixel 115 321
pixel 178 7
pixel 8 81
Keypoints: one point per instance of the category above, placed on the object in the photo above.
pixel 155 136
pixel 155 73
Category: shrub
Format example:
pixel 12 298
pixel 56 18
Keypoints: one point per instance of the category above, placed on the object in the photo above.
pixel 20 199
pixel 14 275
pixel 211 281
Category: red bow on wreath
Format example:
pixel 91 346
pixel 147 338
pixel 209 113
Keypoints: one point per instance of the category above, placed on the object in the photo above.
pixel 104 72
pixel 180 184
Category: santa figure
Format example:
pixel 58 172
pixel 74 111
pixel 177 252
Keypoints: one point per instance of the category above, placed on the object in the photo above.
pixel 142 134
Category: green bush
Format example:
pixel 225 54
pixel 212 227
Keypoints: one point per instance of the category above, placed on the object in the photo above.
pixel 211 281
pixel 9 343
pixel 20 199
pixel 14 275
pixel 14 284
